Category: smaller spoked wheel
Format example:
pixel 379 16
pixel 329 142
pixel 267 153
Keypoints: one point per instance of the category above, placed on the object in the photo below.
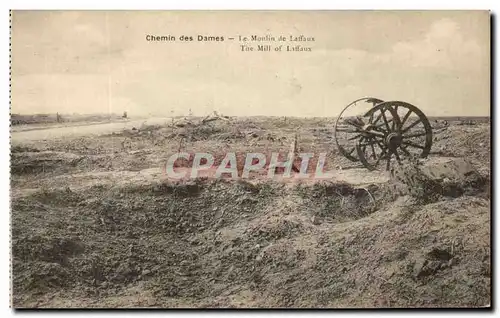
pixel 397 131
pixel 349 125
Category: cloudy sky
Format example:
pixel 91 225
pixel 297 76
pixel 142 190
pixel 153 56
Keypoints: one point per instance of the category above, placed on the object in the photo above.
pixel 96 61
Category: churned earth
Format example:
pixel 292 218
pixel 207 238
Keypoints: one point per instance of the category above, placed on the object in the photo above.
pixel 97 223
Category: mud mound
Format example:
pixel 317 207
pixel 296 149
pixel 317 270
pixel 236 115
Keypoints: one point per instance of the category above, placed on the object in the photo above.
pixel 42 162
pixel 341 202
pixel 127 234
pixel 125 230
pixel 19 148
pixel 473 142
pixel 187 131
pixel 226 244
pixel 432 180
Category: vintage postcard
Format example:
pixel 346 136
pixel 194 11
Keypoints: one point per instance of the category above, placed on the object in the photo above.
pixel 250 159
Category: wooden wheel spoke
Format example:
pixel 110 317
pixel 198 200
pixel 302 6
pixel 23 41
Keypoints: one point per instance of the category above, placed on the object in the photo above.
pixel 383 149
pixel 388 163
pixel 355 137
pixel 379 129
pixel 373 150
pixel 370 143
pixel 383 154
pixel 416 122
pixel 420 134
pixel 411 144
pixel 388 121
pixel 375 133
pixel 378 160
pixel 406 118
pixel 397 155
pixel 385 120
pixel 392 119
pixel 380 144
pixel 378 118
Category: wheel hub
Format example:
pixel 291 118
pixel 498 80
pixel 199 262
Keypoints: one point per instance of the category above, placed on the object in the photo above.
pixel 393 140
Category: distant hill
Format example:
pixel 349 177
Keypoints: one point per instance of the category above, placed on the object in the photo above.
pixel 25 119
pixel 478 119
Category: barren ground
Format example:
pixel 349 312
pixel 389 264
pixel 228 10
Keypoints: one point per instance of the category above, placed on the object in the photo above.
pixel 96 223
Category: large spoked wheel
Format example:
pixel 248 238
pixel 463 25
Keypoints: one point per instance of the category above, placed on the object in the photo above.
pixel 348 126
pixel 397 131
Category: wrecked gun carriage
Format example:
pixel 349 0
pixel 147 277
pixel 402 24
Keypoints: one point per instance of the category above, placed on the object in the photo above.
pixel 389 131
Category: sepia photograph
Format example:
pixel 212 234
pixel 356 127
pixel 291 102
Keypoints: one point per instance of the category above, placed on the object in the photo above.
pixel 250 159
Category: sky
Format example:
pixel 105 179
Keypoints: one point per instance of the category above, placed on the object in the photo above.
pixel 100 62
